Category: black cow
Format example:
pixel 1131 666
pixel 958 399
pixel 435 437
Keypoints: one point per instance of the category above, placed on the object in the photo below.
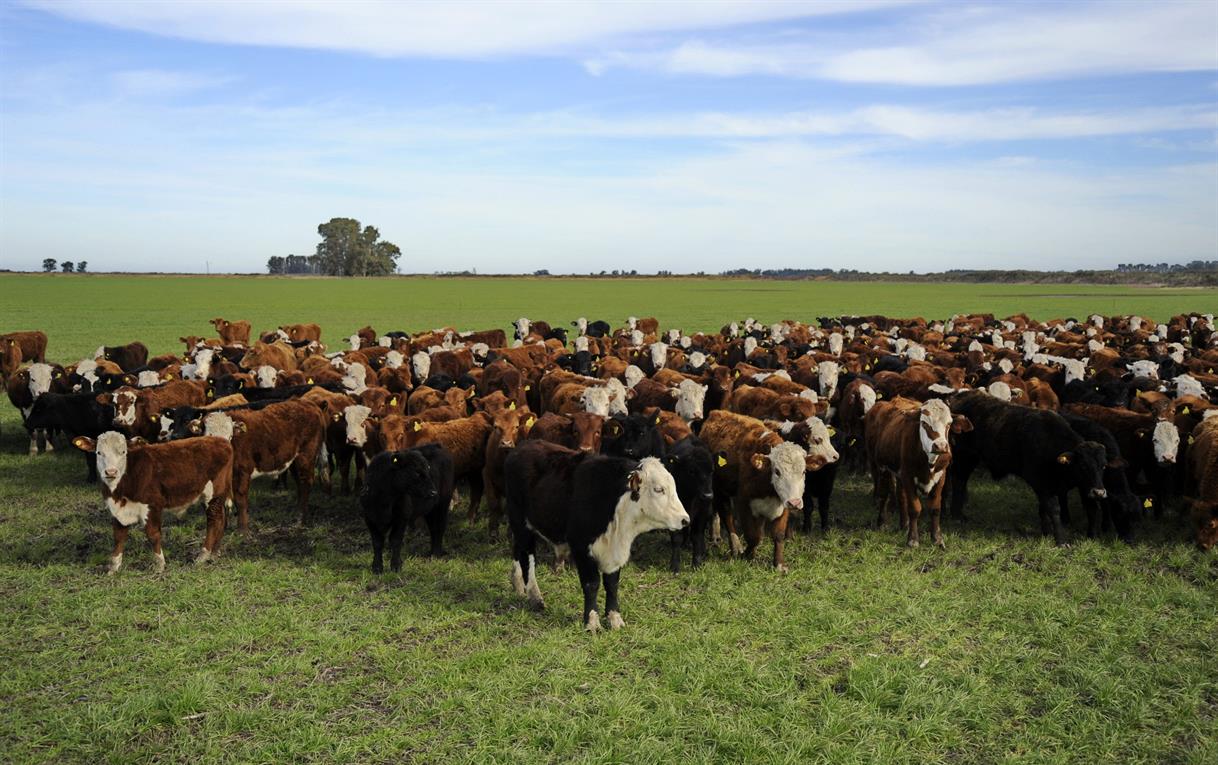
pixel 579 362
pixel 400 487
pixel 1121 506
pixel 1035 444
pixel 76 414
pixel 635 436
pixel 597 328
pixel 593 505
pixel 693 468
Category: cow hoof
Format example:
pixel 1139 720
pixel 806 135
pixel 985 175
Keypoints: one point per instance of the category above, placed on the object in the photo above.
pixel 203 556
pixel 116 563
pixel 517 579
pixel 913 543
pixel 616 622
pixel 782 568
pixel 737 545
pixel 593 624
pixel 160 563
pixel 941 545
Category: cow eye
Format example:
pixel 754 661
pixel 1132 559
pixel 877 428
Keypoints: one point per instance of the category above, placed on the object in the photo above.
pixel 659 490
pixel 816 440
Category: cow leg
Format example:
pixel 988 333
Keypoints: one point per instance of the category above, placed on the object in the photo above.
pixel 302 471
pixel 778 534
pixel 152 529
pixel 1051 516
pixel 1093 515
pixel 360 464
pixel 120 541
pixel 343 459
pixel 215 530
pixel 241 495
pixel 697 532
pixel 377 534
pixel 475 495
pixel 524 567
pixel 613 613
pixel 1063 504
pixel 959 492
pixel 911 509
pixel 397 532
pixel 729 521
pixel 752 529
pixel 589 582
pixel 936 508
pixel 822 506
pixel 674 543
pixel 437 523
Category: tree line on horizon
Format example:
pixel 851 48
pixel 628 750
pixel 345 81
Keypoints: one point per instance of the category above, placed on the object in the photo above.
pixel 67 267
pixel 347 248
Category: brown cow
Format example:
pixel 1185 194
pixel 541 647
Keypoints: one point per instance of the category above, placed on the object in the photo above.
pixel 761 474
pixel 465 440
pixel 299 333
pixel 1203 482
pixel 141 481
pixel 762 403
pixel 137 411
pixel 10 358
pixel 909 453
pixel 269 441
pixel 277 355
pixel 232 332
pixel 33 345
pixel 581 430
pixel 508 427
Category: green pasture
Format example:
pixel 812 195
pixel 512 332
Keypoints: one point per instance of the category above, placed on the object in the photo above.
pixel 1003 648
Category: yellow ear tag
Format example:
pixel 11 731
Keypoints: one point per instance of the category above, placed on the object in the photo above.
pixel 832 432
pixel 722 461
pixel 512 407
pixel 853 441
pixel 1148 503
pixel 1185 410
pixel 393 401
pixel 395 459
pixel 529 422
pixel 310 381
pixel 879 395
pixel 528 387
pixel 418 426
pixel 1192 439
pixel 1141 393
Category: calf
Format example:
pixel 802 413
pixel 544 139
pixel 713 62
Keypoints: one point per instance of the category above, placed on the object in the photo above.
pixel 1148 444
pixel 762 475
pixel 269 441
pixel 817 439
pixel 26 386
pixel 1035 444
pixel 635 436
pixel 693 470
pixel 128 357
pixel 33 345
pixel 1120 507
pixel 76 414
pixel 465 440
pixel 908 452
pixel 595 506
pixel 137 411
pixel 141 481
pixel 403 486
pixel 232 332
pixel 1203 483
pixel 300 333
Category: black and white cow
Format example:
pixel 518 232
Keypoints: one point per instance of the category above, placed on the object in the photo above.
pixel 594 506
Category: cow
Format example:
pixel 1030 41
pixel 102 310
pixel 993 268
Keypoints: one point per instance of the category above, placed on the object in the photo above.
pixel 594 506
pixel 509 427
pixel 582 430
pixel 1148 444
pixel 300 333
pixel 269 441
pixel 465 440
pixel 692 466
pixel 75 414
pixel 762 475
pixel 1120 507
pixel 137 411
pixel 1035 444
pixel 635 436
pixel 277 355
pixel 817 439
pixel 232 332
pixel 33 345
pixel 140 481
pixel 908 451
pixel 401 487
pixel 24 389
pixel 1202 483
pixel 129 357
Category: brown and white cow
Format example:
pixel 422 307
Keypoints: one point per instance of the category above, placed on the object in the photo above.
pixel 140 481
pixel 909 452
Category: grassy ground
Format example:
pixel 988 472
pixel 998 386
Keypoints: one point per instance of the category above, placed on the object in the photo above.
pixel 1002 648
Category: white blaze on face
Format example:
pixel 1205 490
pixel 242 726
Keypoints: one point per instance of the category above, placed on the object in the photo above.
pixel 1166 442
pixel 996 337
pixel 124 408
pixel 697 360
pixel 354 380
pixel 1097 320
pixel 750 345
pixel 937 418
pixel 1006 366
pixel 148 378
pixel 657 507
pixel 596 400
pixel 916 352
pixel 749 323
pixel 101 351
pixel 1094 345
pixel 1147 369
pixel 581 324
pixel 826 375
pixel 976 347
pixel 776 333
pixel 659 355
pixel 201 368
pixel 633 375
pixel 87 368
pixel 809 394
pixel 820 442
pixel 355 417
pixel 355 342
pixel 632 322
pixel 166 428
pixel 1000 390
pixel 218 424
pixel 691 397
pixel 1187 385
pixel 394 359
pixel 836 343
pixel 522 327
pixel 581 343
pixel 636 337
pixel 266 376
pixel 788 464
pixel 898 345
pixel 685 342
pixel 40 378
pixel 867 396
pixel 733 329
pixel 385 341
pixel 111 458
pixel 1135 323
pixel 617 396
pixel 1009 326
pixel 673 335
pixel 1075 369
pixel 1176 352
pixel 421 364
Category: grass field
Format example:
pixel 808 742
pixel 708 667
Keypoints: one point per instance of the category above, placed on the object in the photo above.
pixel 1003 648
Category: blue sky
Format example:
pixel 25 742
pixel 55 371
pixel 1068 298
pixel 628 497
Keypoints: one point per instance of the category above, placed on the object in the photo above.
pixel 691 136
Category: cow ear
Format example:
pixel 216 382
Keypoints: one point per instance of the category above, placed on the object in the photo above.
pixel 612 429
pixel 84 443
pixel 962 424
pixel 105 399
pixel 760 461
pixel 721 459
pixel 1141 432
pixel 240 427
pixel 137 441
pixel 1117 463
pixel 1065 458
pixel 674 393
pixel 635 482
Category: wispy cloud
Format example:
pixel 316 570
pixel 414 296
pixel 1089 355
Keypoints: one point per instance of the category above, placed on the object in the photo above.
pixel 164 82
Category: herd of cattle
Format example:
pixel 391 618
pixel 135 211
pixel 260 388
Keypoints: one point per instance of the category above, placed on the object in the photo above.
pixel 585 442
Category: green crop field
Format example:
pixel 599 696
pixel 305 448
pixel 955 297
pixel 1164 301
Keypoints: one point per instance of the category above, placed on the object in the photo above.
pixel 1003 648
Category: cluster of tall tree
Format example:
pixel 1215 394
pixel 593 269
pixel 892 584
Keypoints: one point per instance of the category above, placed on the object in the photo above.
pixel 48 265
pixel 347 248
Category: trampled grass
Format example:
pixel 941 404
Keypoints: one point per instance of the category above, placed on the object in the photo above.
pixel 1001 648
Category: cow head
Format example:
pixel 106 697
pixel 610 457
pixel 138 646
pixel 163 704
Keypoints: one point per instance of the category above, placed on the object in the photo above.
pixel 1165 439
pixel 690 398
pixel 1086 463
pixel 111 449
pixel 787 464
pixel 826 375
pixel 595 400
pixel 635 436
pixel 411 474
pixel 651 500
pixel 587 429
pixel 1205 523
pixel 359 423
pixel 693 469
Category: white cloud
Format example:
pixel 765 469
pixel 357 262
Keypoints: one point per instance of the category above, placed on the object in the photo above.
pixel 164 82
pixel 964 46
pixel 435 27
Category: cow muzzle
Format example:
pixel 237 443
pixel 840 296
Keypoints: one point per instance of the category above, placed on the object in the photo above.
pixel 1099 493
pixel 111 472
pixel 795 504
